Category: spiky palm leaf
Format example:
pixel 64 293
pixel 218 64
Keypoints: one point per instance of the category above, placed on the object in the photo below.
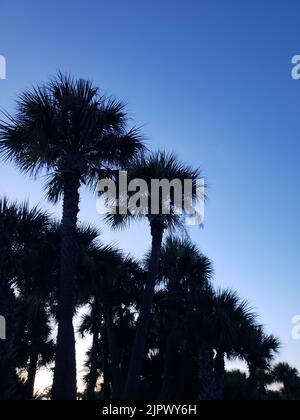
pixel 154 166
pixel 67 126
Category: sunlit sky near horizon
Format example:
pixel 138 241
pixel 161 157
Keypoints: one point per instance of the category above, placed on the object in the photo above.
pixel 209 80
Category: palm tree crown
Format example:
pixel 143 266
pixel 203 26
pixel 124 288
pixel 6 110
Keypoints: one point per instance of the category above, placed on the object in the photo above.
pixel 65 127
pixel 68 131
pixel 156 166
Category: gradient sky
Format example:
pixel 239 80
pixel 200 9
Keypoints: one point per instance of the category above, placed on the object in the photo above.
pixel 208 79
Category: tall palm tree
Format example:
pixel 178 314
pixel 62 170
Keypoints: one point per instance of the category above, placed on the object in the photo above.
pixel 259 351
pixel 21 232
pixel 37 347
pixel 92 323
pixel 229 319
pixel 214 323
pixel 184 270
pixel 289 377
pixel 157 166
pixel 36 286
pixel 67 130
pixel 111 286
pixel 122 297
pixel 102 262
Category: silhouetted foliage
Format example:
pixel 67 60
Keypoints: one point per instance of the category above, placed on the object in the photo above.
pixel 159 329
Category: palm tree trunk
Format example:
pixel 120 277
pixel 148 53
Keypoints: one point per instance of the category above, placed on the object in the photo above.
pixel 219 376
pixel 170 368
pixel 106 368
pixel 136 360
pixel 93 375
pixel 206 373
pixel 117 380
pixel 182 371
pixel 252 384
pixel 31 374
pixel 169 373
pixel 64 385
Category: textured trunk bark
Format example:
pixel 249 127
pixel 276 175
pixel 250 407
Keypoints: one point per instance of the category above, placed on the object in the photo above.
pixel 219 376
pixel 117 380
pixel 169 373
pixel 31 375
pixel 64 384
pixel 136 360
pixel 252 384
pixel 206 373
pixel 93 376
pixel 106 368
pixel 168 389
pixel 182 370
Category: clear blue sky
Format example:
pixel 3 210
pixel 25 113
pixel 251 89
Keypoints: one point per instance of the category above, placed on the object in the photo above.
pixel 209 80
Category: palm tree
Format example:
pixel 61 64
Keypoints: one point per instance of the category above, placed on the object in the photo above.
pixel 111 287
pixel 21 232
pixel 66 130
pixel 102 263
pixel 122 297
pixel 184 270
pixel 289 377
pixel 92 323
pixel 229 319
pixel 37 349
pixel 157 166
pixel 36 286
pixel 259 351
pixel 235 386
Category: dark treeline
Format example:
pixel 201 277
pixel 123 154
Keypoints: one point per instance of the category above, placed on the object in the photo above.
pixel 159 328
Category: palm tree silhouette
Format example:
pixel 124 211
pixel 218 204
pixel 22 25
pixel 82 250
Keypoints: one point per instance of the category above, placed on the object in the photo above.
pixel 159 328
pixel 159 166
pixel 259 351
pixel 102 262
pixel 39 348
pixel 22 230
pixel 182 269
pixel 289 377
pixel 230 318
pixel 67 130
pixel 110 285
pixel 235 386
pixel 193 326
